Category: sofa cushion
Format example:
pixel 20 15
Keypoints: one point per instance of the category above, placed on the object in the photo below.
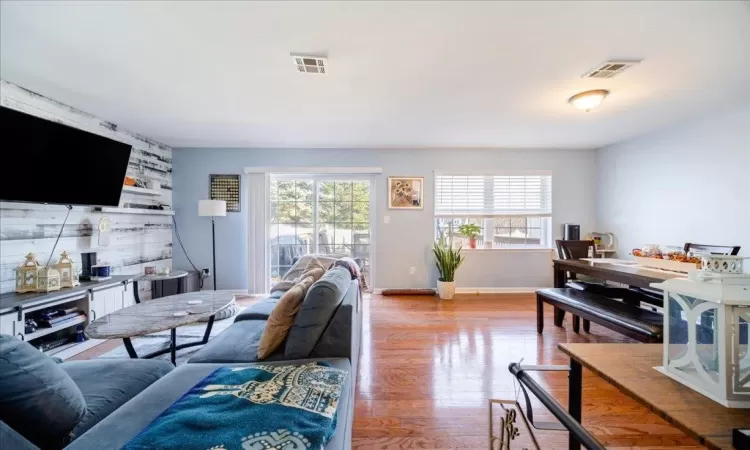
pixel 37 398
pixel 236 344
pixel 262 309
pixel 108 384
pixel 316 311
pixel 125 423
pixel 282 318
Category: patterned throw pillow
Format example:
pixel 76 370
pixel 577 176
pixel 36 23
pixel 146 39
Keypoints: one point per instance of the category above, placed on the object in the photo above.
pixel 282 318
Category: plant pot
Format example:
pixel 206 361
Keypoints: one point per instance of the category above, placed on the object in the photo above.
pixel 473 243
pixel 446 289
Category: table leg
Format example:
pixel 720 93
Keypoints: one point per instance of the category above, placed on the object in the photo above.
pixel 559 281
pixel 575 388
pixel 173 346
pixel 129 348
pixel 209 326
pixel 559 277
pixel 136 297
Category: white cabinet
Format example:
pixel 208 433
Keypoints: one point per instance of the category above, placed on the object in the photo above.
pixel 128 297
pixel 105 301
pixel 10 325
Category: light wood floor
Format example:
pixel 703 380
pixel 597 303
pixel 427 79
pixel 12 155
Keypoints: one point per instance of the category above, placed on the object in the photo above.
pixel 428 367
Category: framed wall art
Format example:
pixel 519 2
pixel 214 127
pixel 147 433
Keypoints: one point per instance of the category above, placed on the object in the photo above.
pixel 227 188
pixel 405 193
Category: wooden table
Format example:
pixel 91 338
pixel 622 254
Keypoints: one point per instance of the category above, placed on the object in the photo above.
pixel 166 313
pixel 632 275
pixel 630 368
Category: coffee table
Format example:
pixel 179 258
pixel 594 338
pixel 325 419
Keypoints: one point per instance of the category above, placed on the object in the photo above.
pixel 166 313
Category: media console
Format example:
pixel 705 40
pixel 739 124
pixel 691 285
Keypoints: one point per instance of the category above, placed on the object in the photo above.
pixel 92 299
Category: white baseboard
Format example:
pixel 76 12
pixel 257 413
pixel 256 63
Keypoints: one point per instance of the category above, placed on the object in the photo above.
pixel 483 290
pixel 497 290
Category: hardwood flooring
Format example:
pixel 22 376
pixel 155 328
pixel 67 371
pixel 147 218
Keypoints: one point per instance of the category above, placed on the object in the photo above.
pixel 428 367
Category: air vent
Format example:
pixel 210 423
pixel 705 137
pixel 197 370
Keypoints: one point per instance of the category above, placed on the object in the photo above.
pixel 610 68
pixel 310 63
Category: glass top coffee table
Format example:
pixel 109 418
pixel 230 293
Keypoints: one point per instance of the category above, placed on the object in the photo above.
pixel 166 313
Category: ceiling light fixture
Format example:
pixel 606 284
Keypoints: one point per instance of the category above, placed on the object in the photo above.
pixel 588 100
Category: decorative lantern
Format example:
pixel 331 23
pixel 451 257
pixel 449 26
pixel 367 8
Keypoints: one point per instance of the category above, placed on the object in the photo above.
pixel 27 275
pixel 49 280
pixel 706 319
pixel 68 271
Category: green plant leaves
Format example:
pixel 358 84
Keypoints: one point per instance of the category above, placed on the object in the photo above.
pixel 447 260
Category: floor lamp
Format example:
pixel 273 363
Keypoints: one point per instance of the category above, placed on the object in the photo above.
pixel 213 209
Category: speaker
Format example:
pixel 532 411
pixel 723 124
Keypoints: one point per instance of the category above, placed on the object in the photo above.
pixel 571 232
pixel 87 260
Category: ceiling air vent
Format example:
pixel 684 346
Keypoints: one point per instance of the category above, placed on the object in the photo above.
pixel 310 63
pixel 610 68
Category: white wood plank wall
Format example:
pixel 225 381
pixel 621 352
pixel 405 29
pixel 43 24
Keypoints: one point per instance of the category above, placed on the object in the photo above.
pixel 136 240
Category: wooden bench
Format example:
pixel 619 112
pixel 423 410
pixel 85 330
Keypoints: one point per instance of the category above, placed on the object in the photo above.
pixel 632 321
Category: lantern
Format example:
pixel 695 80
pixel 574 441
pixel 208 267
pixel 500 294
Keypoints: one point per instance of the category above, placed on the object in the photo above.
pixel 49 280
pixel 68 271
pixel 706 320
pixel 27 275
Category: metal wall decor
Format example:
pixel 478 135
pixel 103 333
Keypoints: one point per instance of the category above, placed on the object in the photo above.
pixel 227 188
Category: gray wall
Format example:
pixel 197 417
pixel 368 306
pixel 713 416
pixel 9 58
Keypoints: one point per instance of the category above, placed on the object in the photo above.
pixel 136 240
pixel 687 183
pixel 407 240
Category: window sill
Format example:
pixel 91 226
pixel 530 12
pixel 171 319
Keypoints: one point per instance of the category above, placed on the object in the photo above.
pixel 508 249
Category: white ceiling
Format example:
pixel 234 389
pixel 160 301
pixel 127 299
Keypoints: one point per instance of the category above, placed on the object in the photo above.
pixel 409 74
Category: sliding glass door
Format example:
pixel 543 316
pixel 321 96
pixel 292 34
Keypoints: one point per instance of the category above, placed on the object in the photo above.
pixel 321 215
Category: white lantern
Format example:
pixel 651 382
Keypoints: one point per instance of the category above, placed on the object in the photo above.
pixel 706 319
pixel 68 271
pixel 27 275
pixel 49 280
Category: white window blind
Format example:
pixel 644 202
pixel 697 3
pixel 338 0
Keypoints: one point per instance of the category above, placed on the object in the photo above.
pixel 526 195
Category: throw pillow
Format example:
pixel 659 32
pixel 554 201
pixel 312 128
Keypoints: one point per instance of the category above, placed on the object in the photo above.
pixel 282 318
pixel 37 398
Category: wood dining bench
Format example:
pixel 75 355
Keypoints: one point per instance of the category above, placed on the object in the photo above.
pixel 630 320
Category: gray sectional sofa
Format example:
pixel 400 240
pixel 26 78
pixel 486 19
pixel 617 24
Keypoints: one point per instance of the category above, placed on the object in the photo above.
pixel 327 328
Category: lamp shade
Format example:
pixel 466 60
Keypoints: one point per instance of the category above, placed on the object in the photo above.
pixel 212 208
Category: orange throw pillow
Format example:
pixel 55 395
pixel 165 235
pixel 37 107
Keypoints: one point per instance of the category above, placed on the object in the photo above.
pixel 282 318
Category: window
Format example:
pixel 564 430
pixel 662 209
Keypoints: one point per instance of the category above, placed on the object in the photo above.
pixel 318 215
pixel 512 210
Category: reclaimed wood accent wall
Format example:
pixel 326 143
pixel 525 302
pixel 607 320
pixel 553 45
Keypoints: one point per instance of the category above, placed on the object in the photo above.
pixel 136 240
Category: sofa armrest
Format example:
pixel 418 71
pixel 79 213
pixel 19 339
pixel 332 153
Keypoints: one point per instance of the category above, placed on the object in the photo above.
pixel 9 438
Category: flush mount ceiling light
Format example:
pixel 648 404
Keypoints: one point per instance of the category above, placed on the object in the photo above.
pixel 588 100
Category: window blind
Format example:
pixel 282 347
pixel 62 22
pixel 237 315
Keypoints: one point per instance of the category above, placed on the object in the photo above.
pixel 493 195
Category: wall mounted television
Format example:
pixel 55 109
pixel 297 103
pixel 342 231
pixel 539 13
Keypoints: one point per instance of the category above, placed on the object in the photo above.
pixel 48 162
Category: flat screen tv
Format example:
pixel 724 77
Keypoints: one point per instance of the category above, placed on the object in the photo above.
pixel 48 162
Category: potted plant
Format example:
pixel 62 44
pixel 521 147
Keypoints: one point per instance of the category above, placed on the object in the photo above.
pixel 471 231
pixel 447 260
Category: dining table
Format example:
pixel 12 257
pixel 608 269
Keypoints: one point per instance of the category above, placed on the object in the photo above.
pixel 618 271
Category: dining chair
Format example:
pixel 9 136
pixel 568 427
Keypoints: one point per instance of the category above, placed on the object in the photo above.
pixel 714 249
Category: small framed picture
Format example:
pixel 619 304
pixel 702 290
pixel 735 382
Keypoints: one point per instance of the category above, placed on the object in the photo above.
pixel 405 193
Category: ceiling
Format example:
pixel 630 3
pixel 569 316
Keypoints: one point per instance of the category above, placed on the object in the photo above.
pixel 401 74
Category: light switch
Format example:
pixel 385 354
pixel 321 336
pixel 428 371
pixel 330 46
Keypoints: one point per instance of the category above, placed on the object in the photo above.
pixel 386 219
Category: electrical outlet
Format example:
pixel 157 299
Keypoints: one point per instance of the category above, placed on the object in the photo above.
pixel 412 270
pixel 206 272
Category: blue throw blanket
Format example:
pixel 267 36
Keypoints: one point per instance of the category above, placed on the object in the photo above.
pixel 246 408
